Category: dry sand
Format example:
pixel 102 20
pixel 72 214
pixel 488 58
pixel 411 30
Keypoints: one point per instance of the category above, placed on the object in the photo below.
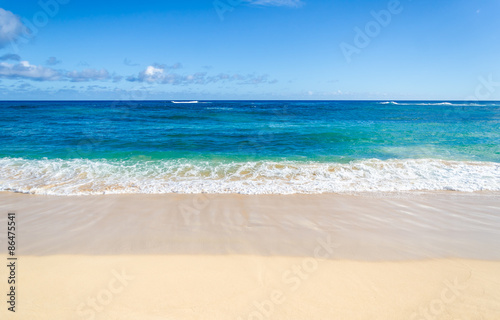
pixel 368 256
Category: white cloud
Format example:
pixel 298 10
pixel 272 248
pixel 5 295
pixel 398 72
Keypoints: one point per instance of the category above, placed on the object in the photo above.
pixel 88 75
pixel 276 3
pixel 161 74
pixel 27 71
pixel 24 70
pixel 11 27
pixel 153 74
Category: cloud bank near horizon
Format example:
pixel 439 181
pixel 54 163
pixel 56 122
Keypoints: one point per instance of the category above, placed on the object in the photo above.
pixel 153 74
pixel 162 74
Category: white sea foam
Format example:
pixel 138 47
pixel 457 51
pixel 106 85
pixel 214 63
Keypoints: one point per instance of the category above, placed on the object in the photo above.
pixel 388 102
pixel 455 104
pixel 80 177
pixel 220 108
pixel 184 101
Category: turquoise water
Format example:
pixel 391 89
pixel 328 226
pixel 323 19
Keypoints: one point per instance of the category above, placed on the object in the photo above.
pixel 248 146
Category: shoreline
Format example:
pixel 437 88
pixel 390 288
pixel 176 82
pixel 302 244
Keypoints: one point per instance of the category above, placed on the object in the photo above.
pixel 401 193
pixel 144 175
pixel 366 226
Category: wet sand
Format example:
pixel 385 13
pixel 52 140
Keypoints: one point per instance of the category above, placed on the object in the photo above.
pixel 367 256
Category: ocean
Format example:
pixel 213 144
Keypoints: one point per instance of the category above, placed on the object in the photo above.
pixel 248 147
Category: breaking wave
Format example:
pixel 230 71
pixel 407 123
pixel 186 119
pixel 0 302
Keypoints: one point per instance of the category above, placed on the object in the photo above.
pixel 85 177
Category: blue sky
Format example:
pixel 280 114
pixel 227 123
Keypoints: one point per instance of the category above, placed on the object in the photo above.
pixel 250 49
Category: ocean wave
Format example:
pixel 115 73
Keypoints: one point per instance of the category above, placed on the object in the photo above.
pixel 85 177
pixel 388 102
pixel 184 101
pixel 220 108
pixel 454 104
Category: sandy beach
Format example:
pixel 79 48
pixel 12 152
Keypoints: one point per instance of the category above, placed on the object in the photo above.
pixel 249 160
pixel 366 256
